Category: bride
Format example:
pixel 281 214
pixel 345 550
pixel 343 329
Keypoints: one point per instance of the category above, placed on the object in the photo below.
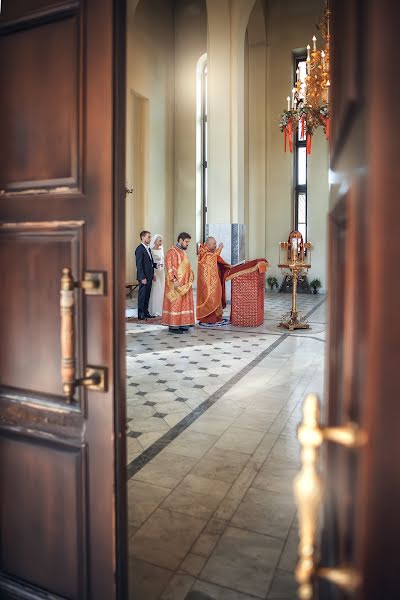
pixel 157 289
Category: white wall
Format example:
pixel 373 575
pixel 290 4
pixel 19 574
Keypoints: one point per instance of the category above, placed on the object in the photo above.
pixel 150 74
pixel 250 177
pixel 290 26
pixel 190 45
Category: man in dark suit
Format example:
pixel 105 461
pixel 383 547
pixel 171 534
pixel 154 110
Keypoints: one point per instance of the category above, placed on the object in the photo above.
pixel 145 273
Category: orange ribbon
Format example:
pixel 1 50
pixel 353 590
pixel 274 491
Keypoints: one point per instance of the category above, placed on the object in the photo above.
pixel 308 143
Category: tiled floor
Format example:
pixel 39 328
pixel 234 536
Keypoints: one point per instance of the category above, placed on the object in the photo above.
pixel 212 455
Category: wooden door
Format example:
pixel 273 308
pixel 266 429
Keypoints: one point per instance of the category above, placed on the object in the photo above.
pixel 62 493
pixel 361 526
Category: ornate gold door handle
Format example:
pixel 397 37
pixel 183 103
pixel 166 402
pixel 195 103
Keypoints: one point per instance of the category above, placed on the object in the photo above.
pixel 308 489
pixel 95 377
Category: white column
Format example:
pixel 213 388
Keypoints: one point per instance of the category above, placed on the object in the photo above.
pixel 219 111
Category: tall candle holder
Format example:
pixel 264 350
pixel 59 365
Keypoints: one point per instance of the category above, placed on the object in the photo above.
pixel 294 260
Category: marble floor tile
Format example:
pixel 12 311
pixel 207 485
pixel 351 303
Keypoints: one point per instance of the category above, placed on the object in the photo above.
pixel 164 471
pixel 240 440
pixel 221 464
pixel 148 439
pixel 202 590
pixel 283 586
pixel 147 425
pixel 276 476
pixel 197 496
pixel 192 443
pixel 244 561
pixel 147 581
pixel 166 537
pixel 193 564
pixel 212 425
pixel 143 499
pixel 289 556
pixel 178 587
pixel 265 512
pixel 132 448
pixel 255 420
pixel 176 417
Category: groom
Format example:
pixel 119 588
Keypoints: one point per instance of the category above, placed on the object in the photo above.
pixel 145 273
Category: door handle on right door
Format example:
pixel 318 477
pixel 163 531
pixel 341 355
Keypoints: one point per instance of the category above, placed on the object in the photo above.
pixel 308 489
pixel 95 377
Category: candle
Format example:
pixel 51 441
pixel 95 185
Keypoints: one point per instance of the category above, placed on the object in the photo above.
pixel 314 43
pixel 308 51
pixel 293 91
pixel 298 73
pixel 288 102
pixel 328 85
pixel 323 60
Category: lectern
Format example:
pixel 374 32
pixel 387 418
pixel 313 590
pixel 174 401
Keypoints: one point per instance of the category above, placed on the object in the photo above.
pixel 248 285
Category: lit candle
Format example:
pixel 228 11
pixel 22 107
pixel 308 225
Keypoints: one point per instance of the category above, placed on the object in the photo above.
pixel 308 51
pixel 288 102
pixel 323 60
pixel 328 85
pixel 298 73
pixel 314 43
pixel 293 91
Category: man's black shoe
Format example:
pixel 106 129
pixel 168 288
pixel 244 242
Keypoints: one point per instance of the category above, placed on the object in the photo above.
pixel 142 318
pixel 175 330
pixel 149 316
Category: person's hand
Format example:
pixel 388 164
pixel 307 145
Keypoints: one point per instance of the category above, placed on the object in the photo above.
pixel 176 285
pixel 144 281
pixel 221 246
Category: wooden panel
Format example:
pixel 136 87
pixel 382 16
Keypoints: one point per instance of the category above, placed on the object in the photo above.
pixel 347 69
pixel 24 10
pixel 31 259
pixel 39 114
pixel 43 506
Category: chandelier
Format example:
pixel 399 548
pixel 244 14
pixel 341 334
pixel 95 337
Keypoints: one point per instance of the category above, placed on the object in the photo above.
pixel 308 108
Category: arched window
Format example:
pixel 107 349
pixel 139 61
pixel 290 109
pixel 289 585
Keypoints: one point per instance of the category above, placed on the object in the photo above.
pixel 300 165
pixel 201 146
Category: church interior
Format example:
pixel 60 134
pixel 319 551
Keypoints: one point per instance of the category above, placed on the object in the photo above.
pixel 199 309
pixel 212 416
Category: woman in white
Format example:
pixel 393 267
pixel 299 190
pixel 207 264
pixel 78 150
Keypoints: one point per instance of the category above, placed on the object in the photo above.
pixel 157 289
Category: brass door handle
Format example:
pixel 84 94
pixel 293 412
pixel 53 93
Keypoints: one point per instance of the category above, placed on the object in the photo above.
pixel 308 488
pixel 95 377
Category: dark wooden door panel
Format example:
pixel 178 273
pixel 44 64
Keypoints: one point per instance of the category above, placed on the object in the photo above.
pixel 40 136
pixel 32 257
pixel 24 9
pixel 43 494
pixel 62 485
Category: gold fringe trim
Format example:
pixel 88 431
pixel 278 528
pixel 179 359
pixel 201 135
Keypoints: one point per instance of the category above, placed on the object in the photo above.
pixel 264 268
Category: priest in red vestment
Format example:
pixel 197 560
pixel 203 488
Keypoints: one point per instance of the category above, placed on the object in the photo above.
pixel 178 306
pixel 211 274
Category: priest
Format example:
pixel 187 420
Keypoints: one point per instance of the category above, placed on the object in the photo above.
pixel 178 306
pixel 211 274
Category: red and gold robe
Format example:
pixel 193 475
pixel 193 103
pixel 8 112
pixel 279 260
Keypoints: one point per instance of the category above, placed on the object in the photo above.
pixel 178 307
pixel 211 273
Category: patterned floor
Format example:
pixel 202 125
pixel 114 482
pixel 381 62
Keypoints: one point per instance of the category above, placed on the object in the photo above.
pixel 213 455
pixel 170 376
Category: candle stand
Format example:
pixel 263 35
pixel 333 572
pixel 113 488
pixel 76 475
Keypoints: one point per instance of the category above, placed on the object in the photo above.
pixel 295 260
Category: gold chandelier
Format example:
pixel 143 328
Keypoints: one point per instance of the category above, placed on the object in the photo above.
pixel 308 108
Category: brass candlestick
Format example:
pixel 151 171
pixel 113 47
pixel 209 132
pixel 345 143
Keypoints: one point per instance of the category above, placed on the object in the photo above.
pixel 296 259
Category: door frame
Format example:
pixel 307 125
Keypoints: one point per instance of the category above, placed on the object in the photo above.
pixel 119 141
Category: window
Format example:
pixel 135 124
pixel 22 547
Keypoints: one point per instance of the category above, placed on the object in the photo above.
pixel 204 140
pixel 300 165
pixel 201 147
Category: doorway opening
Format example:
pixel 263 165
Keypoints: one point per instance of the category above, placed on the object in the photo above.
pixel 212 413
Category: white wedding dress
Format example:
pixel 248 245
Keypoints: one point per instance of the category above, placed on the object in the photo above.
pixel 157 289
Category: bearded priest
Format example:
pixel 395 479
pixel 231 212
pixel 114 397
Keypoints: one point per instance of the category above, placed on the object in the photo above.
pixel 178 307
pixel 211 274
